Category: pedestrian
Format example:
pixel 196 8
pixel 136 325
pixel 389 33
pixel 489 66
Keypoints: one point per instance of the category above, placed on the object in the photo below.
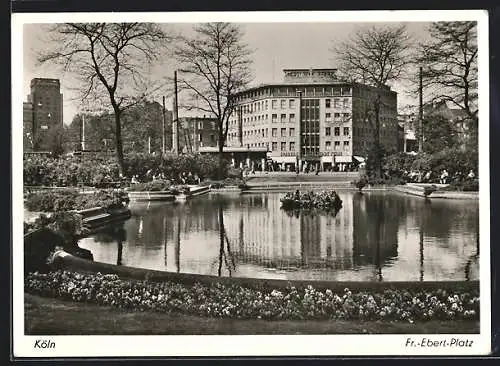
pixel 444 176
pixel 471 175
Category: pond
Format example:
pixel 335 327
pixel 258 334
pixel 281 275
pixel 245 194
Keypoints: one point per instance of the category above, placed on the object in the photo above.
pixel 376 236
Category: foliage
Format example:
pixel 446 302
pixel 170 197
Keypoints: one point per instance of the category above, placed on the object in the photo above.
pixel 69 171
pixel 361 183
pixel 215 66
pixel 66 200
pixel 320 200
pixel 101 171
pixel 450 59
pixel 439 134
pixel 235 301
pixel 69 225
pixel 111 61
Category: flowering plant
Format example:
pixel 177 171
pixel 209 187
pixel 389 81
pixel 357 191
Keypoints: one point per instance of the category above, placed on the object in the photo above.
pixel 235 301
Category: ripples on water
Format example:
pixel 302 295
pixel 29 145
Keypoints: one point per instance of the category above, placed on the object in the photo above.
pixel 376 236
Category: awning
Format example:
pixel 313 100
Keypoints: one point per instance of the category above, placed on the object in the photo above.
pixel 285 159
pixel 327 159
pixel 343 159
pixel 359 159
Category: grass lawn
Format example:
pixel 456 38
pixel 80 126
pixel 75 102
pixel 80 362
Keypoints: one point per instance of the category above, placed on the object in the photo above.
pixel 47 316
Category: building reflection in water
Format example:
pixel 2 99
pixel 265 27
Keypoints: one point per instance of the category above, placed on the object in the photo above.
pixel 374 237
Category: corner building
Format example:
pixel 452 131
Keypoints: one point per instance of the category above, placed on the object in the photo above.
pixel 313 119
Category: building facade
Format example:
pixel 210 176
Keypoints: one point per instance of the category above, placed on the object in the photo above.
pixel 196 133
pixel 312 119
pixel 46 102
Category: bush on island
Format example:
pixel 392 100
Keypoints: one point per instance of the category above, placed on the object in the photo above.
pixel 235 301
pixel 319 200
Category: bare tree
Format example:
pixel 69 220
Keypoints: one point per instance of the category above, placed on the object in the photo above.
pixel 110 61
pixel 449 66
pixel 215 64
pixel 375 57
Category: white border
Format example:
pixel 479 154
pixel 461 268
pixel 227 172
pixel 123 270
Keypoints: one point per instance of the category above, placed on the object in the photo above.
pixel 292 345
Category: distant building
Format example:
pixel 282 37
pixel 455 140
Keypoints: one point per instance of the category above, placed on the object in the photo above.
pixel 408 125
pixel 46 103
pixel 28 126
pixel 312 119
pixel 196 133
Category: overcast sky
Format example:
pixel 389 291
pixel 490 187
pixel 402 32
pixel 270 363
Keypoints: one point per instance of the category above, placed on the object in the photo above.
pixel 276 46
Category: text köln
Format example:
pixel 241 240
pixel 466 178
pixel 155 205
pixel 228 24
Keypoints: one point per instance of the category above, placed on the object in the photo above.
pixel 44 344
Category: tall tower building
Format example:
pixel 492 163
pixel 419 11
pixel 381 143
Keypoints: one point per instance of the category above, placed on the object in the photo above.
pixel 47 104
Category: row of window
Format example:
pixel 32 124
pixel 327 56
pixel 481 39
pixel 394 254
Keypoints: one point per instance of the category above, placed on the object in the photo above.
pixel 263 105
pixel 337 117
pixel 291 132
pixel 328 146
pixel 336 131
pixel 317 91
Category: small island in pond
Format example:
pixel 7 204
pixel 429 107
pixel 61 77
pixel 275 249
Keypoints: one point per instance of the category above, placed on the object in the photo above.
pixel 324 200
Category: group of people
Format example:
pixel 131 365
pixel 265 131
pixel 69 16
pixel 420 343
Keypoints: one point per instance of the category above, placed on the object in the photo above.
pixel 444 177
pixel 183 178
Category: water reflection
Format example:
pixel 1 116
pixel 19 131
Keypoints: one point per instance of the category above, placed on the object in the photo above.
pixel 374 237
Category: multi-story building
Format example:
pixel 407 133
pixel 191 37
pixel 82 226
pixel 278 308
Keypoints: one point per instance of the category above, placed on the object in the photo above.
pixel 27 126
pixel 46 110
pixel 312 118
pixel 409 126
pixel 196 132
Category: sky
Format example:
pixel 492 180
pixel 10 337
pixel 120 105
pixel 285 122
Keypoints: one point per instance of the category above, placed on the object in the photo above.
pixel 276 46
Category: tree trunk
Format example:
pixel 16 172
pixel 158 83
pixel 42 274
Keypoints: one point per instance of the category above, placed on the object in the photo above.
pixel 118 137
pixel 377 165
pixel 221 154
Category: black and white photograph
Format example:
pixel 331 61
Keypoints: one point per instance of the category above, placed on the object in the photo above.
pixel 304 182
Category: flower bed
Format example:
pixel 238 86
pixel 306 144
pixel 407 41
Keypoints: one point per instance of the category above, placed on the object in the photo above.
pixel 70 199
pixel 324 200
pixel 235 301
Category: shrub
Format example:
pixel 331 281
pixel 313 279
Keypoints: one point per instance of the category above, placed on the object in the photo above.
pixel 67 200
pixel 361 183
pixel 428 190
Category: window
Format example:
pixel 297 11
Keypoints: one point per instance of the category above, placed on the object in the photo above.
pixel 274 104
pixel 336 103
pixel 283 117
pixel 336 145
pixel 336 116
pixel 328 117
pixel 328 145
pixel 267 106
pixel 274 118
pixel 328 131
pixel 292 117
pixel 283 132
pixel 346 145
pixel 337 131
pixel 283 103
pixel 266 132
pixel 346 102
pixel 292 146
pixel 346 116
pixel 328 103
pixel 283 146
pixel 274 132
pixel 292 132
pixel 274 146
pixel 291 103
pixel 346 131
